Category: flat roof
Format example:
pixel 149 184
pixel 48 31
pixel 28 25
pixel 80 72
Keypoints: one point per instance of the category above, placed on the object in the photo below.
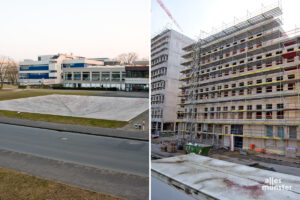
pixel 272 13
pixel 205 176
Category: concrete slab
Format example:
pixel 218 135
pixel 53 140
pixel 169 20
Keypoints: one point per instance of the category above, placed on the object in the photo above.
pixel 111 108
pixel 207 178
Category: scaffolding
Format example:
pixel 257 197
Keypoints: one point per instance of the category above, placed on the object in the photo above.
pixel 257 42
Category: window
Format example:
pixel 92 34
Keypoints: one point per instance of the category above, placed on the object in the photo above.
pixel 291 86
pixel 280 132
pixel 291 76
pixel 259 81
pixel 233 85
pixel 280 106
pixel 212 109
pixel 225 94
pixel 95 76
pixel 279 78
pixel 258 57
pixel 269 131
pixel 293 132
pixel 232 108
pixel 105 76
pixel 258 90
pixel 269 89
pixel 233 93
pixel 225 108
pixel 258 66
pixel 249 107
pixel 68 76
pixel 241 92
pixel 250 82
pixel 77 76
pixel 249 91
pixel 268 54
pixel 242 84
pixel 280 115
pixel 258 107
pixel 269 115
pixel 241 107
pixel 268 80
pixel 116 76
pixel 269 106
pixel 279 87
pixel 258 115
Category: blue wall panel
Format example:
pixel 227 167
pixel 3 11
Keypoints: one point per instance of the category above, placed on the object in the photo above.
pixel 34 67
pixel 75 65
pixel 37 76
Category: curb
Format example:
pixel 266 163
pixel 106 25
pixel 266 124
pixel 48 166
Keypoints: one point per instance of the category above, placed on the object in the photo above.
pixel 5 120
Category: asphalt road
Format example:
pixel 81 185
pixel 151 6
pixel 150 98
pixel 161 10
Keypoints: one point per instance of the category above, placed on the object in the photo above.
pixel 107 165
pixel 100 152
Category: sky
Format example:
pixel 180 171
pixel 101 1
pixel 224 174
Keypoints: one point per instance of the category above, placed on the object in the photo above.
pixel 200 18
pixel 89 28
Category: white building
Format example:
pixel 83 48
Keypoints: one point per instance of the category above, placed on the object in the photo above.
pixel 166 52
pixel 48 69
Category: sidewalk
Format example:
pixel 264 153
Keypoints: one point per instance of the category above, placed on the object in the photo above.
pixel 107 132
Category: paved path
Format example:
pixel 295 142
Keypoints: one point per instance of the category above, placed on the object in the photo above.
pixel 104 181
pixel 93 162
pixel 117 133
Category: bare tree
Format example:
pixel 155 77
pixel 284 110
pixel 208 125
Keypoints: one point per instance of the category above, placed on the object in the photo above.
pixel 3 68
pixel 12 72
pixel 127 58
pixel 8 71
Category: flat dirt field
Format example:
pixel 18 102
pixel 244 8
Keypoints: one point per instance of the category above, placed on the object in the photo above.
pixel 97 107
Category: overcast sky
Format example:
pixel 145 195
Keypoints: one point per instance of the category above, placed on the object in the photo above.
pixel 90 28
pixel 206 15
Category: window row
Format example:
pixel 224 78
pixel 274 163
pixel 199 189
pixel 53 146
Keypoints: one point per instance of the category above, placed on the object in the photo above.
pixel 248 83
pixel 94 76
pixel 159 60
pixel 158 85
pixel 156 99
pixel 158 72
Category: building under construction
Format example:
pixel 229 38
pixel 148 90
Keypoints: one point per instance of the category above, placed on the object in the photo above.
pixel 240 87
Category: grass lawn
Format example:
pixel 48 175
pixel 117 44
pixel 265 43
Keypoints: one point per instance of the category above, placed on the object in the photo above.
pixel 15 185
pixel 64 119
pixel 17 94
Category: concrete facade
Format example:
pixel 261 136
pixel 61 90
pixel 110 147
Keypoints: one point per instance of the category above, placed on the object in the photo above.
pixel 245 86
pixel 166 52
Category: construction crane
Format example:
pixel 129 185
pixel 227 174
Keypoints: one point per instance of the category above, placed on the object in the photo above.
pixel 162 5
